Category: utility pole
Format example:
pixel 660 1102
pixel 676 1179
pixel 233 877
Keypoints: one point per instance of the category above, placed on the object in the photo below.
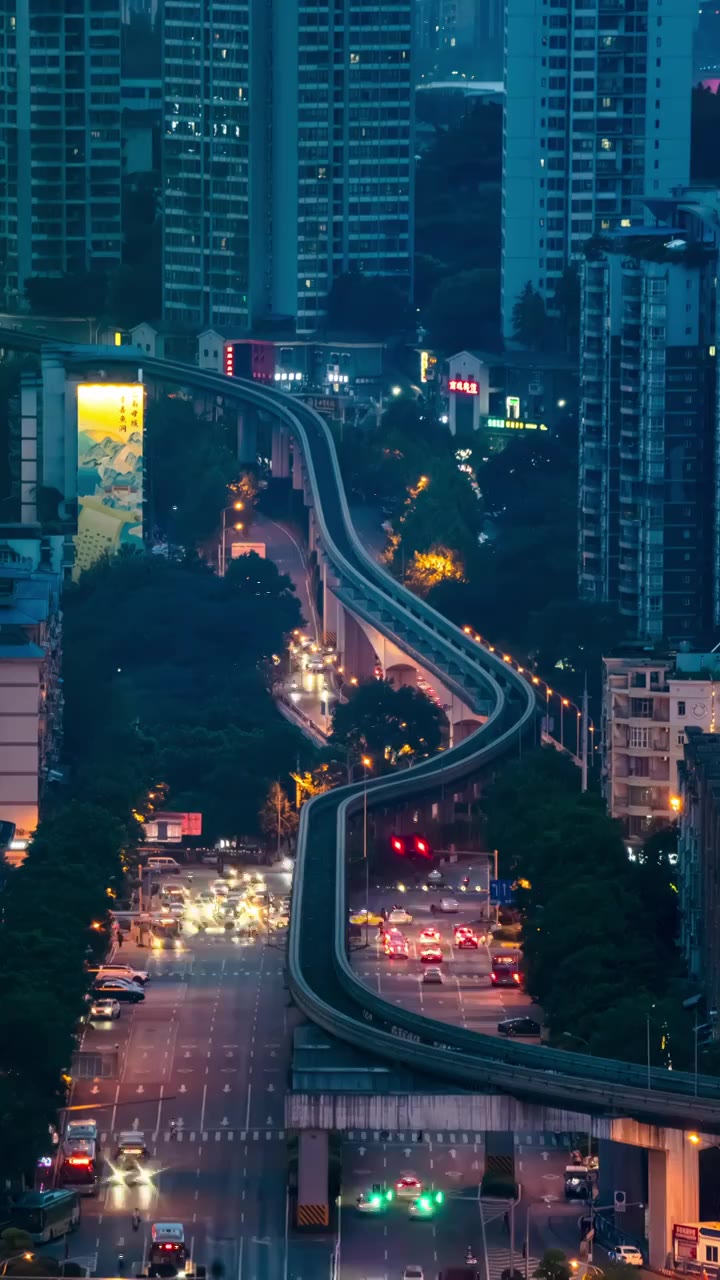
pixel 585 736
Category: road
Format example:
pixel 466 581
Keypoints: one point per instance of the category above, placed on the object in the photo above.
pixel 210 1048
pixel 466 997
pixel 379 1248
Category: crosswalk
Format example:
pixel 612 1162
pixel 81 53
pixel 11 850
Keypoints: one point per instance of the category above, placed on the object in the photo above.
pixel 224 1134
pixel 499 1262
pixel 452 1138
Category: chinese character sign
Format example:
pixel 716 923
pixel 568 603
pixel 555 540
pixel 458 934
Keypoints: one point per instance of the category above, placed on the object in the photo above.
pixel 110 469
pixel 464 386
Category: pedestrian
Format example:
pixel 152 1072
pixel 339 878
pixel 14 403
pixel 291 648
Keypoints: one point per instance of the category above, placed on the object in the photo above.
pixel 173 1129
pixel 119 938
pixel 136 1219
pixel 120 1263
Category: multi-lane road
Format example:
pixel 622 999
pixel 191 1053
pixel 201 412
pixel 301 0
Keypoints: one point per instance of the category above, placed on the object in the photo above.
pixel 208 1048
pixel 466 997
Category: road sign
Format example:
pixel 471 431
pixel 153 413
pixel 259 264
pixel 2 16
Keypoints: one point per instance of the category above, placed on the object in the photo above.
pixel 620 1201
pixel 501 891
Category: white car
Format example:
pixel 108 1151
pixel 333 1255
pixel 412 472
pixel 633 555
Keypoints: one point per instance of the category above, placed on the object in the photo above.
pixel 413 1273
pixel 399 915
pixel 448 905
pixel 104 1010
pixel 408 1187
pixel 123 971
pixel 220 888
pixel 626 1253
pixel 432 976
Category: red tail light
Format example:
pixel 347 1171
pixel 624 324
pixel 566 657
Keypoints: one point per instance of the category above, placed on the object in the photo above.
pixel 516 977
pixel 82 1161
pixel 397 845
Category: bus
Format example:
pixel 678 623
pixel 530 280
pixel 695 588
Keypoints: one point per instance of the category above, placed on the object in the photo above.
pixel 46 1214
pixel 78 1166
pixel 505 971
pixel 165 932
pixel 168 1255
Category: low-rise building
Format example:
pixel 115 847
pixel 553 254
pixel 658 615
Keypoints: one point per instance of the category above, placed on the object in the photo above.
pixel 648 704
pixel 31 569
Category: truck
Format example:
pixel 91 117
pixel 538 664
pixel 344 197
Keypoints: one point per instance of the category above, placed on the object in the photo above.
pixel 313 1207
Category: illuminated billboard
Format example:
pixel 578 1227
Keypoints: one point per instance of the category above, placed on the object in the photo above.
pixel 110 469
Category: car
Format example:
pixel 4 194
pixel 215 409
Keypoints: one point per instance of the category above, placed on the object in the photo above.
pixel 104 1010
pixel 519 1027
pixel 131 1152
pixel 375 1202
pixel 399 915
pixel 431 955
pixel 413 1273
pixel 373 918
pixel 430 935
pixel 220 888
pixel 123 971
pixel 435 877
pixel 397 951
pixel 446 905
pixel 432 976
pixel 627 1253
pixel 115 989
pixel 408 1186
pixel 176 910
pixel 466 941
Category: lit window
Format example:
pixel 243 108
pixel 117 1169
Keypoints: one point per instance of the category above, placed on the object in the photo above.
pixel 354 57
pixel 625 222
pixel 606 144
pixel 605 224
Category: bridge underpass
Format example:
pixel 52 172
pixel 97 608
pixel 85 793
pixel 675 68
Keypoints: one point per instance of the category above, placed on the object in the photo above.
pixel 338 1090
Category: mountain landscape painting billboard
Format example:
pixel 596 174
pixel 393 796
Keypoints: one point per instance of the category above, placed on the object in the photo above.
pixel 110 470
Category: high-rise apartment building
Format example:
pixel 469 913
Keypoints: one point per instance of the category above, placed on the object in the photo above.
pixel 60 150
pixel 342 148
pixel 647 429
pixel 597 116
pixel 459 38
pixel 288 155
pixel 208 49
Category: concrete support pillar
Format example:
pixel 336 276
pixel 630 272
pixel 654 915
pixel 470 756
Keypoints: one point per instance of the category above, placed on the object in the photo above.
pixel 340 632
pixel 673 1192
pixel 247 435
pixel 358 653
pixel 330 605
pixel 280 453
pixel 623 1167
pixel 54 443
pixel 312 531
pixel 298 478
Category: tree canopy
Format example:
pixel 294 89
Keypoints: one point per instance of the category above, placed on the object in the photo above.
pixel 387 724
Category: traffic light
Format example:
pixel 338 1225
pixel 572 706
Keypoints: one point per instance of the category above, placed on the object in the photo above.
pixel 414 846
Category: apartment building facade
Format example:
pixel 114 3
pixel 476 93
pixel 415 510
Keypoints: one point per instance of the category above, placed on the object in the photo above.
pixel 699 861
pixel 647 435
pixel 60 146
pixel 648 706
pixel 597 115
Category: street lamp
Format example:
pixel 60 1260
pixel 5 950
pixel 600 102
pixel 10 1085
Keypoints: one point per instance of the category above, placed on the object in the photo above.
pixel 647 1033
pixel 366 764
pixel 236 506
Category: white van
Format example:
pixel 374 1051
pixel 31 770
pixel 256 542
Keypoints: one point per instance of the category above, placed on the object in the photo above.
pixel 160 863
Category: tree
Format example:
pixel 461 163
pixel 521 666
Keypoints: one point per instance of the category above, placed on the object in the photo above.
pixel 191 463
pixel 428 568
pixel 278 819
pixel 464 310
pixel 553 1265
pixel 372 305
pixel 387 724
pixel 528 318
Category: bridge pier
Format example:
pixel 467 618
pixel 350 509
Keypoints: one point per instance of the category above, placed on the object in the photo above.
pixel 280 452
pixel 673 1192
pixel 247 446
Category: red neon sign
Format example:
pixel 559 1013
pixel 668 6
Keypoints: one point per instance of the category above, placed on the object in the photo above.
pixel 467 388
pixel 229 361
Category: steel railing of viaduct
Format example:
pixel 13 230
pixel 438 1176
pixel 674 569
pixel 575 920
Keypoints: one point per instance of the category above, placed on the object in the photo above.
pixel 321 979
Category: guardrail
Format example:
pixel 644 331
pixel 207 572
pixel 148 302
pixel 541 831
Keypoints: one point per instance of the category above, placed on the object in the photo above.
pixel 321 979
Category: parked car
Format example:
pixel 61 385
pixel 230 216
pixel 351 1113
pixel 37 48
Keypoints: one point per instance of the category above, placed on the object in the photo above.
pixel 519 1027
pixel 116 989
pixel 626 1253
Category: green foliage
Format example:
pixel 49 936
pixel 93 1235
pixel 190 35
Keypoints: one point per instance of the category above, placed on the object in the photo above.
pixel 464 309
pixel 598 929
pixel 165 678
pixel 553 1265
pixel 192 463
pixel 49 906
pixel 457 200
pixel 375 306
pixel 528 318
pixel 387 724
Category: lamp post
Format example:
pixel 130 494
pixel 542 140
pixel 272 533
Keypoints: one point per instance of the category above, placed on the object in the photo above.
pixel 647 1043
pixel 366 764
pixel 236 506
